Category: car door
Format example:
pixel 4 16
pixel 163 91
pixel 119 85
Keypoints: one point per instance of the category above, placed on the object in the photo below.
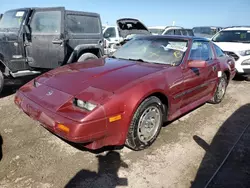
pixel 110 34
pixel 213 66
pixel 195 78
pixel 45 48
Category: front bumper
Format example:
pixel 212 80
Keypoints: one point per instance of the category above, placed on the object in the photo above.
pixel 242 69
pixel 77 132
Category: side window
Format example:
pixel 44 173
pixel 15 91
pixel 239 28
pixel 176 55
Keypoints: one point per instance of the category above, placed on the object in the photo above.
pixel 201 50
pixel 46 22
pixel 169 32
pixel 184 32
pixel 218 51
pixel 83 24
pixel 110 33
pixel 177 32
pixel 190 32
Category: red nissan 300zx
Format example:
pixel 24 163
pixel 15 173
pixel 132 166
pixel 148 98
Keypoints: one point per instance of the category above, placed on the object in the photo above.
pixel 125 98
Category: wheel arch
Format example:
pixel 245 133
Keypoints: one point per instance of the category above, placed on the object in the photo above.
pixel 81 49
pixel 2 65
pixel 227 73
pixel 158 93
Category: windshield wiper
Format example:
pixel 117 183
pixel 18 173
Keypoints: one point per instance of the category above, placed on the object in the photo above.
pixel 141 60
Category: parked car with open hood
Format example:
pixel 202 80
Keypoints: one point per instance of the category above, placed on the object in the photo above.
pixel 126 98
pixel 235 42
pixel 33 40
pixel 125 29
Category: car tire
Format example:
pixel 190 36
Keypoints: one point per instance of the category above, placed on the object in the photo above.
pixel 135 139
pixel 86 56
pixel 1 81
pixel 220 90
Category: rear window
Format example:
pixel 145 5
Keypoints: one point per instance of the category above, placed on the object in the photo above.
pixel 83 24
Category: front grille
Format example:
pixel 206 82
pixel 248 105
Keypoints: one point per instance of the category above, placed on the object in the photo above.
pixel 233 55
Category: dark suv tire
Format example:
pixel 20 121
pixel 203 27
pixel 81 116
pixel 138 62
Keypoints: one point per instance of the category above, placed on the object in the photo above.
pixel 1 81
pixel 87 56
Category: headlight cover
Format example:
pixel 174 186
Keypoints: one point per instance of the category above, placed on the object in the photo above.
pixel 246 62
pixel 84 104
pixel 245 52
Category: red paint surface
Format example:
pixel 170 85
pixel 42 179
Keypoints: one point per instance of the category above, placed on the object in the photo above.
pixel 116 87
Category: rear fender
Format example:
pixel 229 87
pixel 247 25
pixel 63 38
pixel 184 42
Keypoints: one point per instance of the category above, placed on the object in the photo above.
pixel 84 48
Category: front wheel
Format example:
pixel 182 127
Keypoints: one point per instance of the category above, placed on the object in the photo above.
pixel 146 124
pixel 220 90
pixel 1 81
pixel 86 56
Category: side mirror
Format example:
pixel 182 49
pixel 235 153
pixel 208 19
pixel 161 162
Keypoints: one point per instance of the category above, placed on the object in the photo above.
pixel 197 64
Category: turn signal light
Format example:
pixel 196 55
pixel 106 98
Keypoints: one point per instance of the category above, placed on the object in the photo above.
pixel 63 128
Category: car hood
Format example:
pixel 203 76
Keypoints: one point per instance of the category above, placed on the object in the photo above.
pixel 233 46
pixel 106 74
pixel 131 26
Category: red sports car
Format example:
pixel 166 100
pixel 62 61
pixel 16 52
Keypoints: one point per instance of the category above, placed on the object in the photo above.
pixel 125 98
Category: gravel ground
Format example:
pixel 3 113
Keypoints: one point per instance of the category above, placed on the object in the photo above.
pixel 186 154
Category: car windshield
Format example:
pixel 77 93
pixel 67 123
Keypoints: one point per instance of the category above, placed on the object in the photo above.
pixel 232 36
pixel 12 19
pixel 205 30
pixel 156 31
pixel 153 50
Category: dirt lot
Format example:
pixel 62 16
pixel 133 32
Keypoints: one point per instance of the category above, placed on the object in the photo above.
pixel 186 154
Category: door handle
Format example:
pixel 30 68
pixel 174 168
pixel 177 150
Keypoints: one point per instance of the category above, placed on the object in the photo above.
pixel 56 41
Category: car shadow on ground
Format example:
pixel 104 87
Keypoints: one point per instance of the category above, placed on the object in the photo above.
pixel 235 171
pixel 106 176
pixel 241 78
pixel 12 85
pixel 1 150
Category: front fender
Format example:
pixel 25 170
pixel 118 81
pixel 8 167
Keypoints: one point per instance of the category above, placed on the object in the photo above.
pixel 127 102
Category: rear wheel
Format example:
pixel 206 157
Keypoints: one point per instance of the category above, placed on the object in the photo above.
pixel 220 90
pixel 146 124
pixel 86 56
pixel 1 81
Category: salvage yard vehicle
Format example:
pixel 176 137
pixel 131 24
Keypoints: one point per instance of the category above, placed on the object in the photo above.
pixel 206 31
pixel 156 30
pixel 177 30
pixel 235 42
pixel 34 40
pixel 126 98
pixel 125 29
